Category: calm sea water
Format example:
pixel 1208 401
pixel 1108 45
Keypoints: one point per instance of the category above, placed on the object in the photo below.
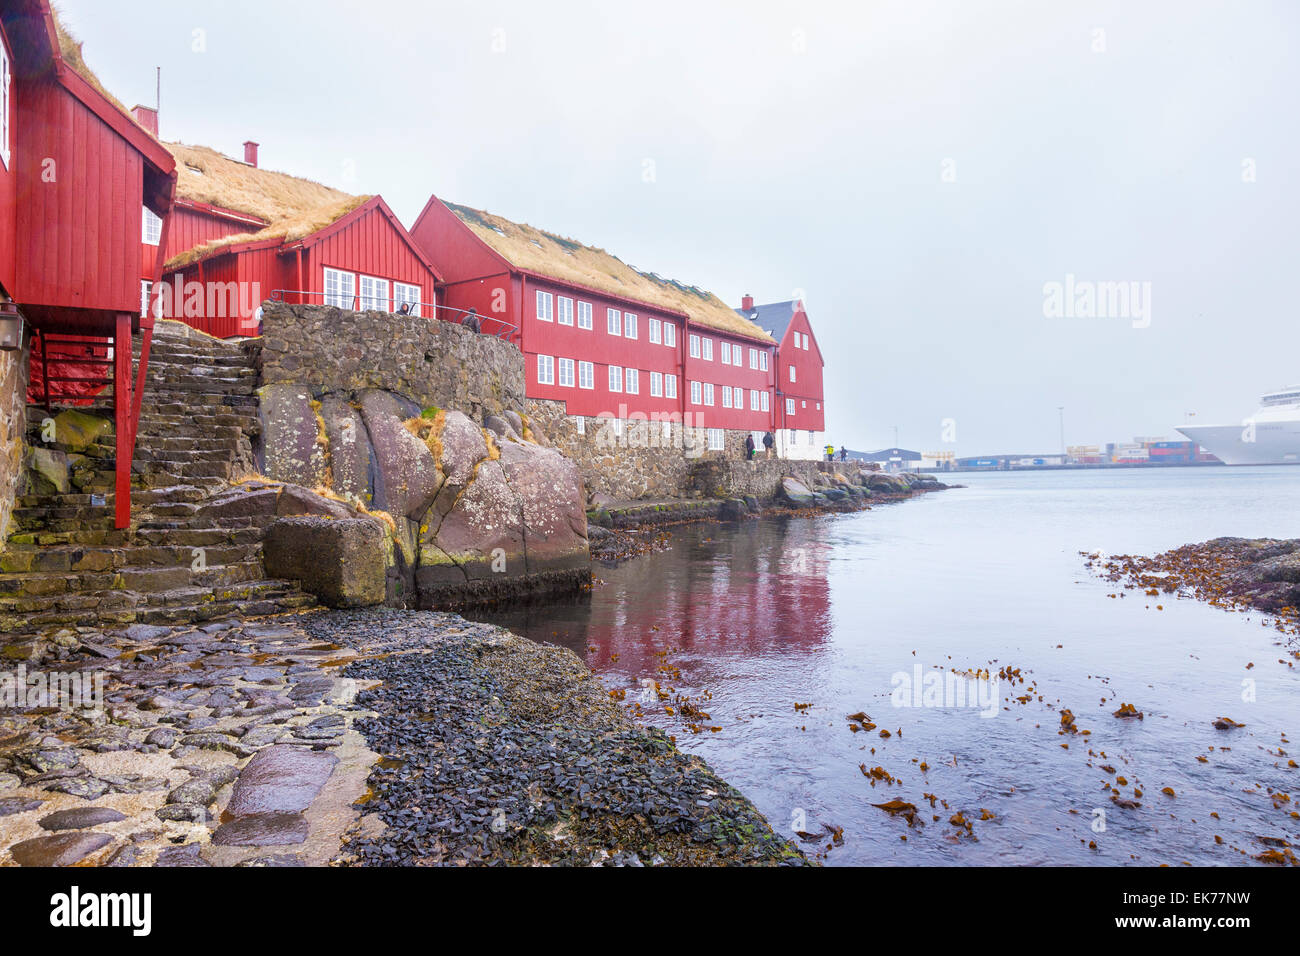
pixel 828 612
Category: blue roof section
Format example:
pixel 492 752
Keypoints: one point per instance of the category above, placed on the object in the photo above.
pixel 774 317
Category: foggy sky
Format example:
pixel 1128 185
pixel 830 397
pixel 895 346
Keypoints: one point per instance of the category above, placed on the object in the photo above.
pixel 917 170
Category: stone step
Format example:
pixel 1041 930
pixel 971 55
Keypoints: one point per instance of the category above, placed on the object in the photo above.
pixel 26 559
pixel 37 591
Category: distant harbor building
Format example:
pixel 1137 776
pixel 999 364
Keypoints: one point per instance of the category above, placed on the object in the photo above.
pixel 892 459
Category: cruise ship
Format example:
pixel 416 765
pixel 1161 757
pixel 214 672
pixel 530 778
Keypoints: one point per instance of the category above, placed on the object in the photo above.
pixel 1269 437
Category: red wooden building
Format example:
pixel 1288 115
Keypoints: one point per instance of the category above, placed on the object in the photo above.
pixel 242 234
pixel 606 339
pixel 800 401
pixel 77 173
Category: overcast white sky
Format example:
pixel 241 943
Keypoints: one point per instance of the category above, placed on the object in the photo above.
pixel 804 146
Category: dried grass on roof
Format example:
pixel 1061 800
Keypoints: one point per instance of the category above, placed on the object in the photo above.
pixel 70 50
pixel 539 251
pixel 292 208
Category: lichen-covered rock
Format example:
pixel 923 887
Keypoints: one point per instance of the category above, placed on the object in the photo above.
pixel 352 460
pixel 47 470
pixel 341 561
pixel 407 478
pixel 293 446
pixel 76 431
pixel 554 512
pixel 795 493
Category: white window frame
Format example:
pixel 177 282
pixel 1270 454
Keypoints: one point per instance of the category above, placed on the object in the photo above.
pixel 614 322
pixel 146 288
pixel 545 310
pixel 566 373
pixel 670 386
pixel 403 293
pixel 708 393
pixel 755 403
pixel 656 384
pixel 587 375
pixel 150 224
pixel 563 310
pixel 753 359
pixel 726 353
pixel 767 401
pixel 629 325
pixel 697 392
pixel 695 346
pixel 670 335
pixel 726 396
pixel 655 332
pixel 706 349
pixel 616 378
pixel 580 423
pixel 717 439
pixel 344 295
pixel 794 376
pixel 6 104
pixel 762 360
pixel 545 369
pixel 632 381
pixel 789 406
pixel 375 284
pixel 584 315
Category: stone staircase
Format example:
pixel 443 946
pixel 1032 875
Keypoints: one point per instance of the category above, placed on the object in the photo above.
pixel 65 565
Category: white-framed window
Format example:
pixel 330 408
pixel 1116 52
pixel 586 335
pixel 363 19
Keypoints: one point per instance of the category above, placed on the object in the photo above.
pixel 566 372
pixel 670 335
pixel 754 400
pixel 613 321
pixel 580 423
pixel 726 353
pixel 657 383
pixel 618 427
pixel 404 294
pixel 545 370
pixel 616 378
pixel 545 306
pixel 793 376
pixel 762 360
pixel 697 391
pixel 564 308
pixel 670 383
pixel 806 347
pixel 6 102
pixel 717 439
pixel 789 406
pixel 340 288
pixel 655 331
pixel 629 325
pixel 726 394
pixel 374 294
pixel 708 393
pixel 695 346
pixel 767 401
pixel 586 375
pixel 803 404
pixel 146 286
pixel 632 381
pixel 150 226
pixel 584 315
pixel 753 358
pixel 706 349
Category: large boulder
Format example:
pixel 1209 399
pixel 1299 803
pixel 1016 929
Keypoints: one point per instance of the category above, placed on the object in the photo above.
pixel 77 431
pixel 47 471
pixel 794 493
pixel 888 484
pixel 407 478
pixel 341 561
pixel 481 535
pixel 352 460
pixel 294 446
pixel 554 512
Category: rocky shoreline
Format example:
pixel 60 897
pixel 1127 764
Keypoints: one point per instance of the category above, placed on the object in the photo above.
pixel 367 737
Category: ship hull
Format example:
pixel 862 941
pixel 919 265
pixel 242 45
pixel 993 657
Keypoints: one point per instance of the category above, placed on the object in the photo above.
pixel 1270 443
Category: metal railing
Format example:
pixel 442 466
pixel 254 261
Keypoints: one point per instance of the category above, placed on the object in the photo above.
pixel 486 324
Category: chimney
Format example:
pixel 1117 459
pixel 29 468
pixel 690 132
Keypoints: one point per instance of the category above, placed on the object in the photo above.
pixel 250 153
pixel 747 303
pixel 147 117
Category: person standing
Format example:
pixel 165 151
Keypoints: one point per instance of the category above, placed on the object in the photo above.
pixel 749 447
pixel 768 442
pixel 844 454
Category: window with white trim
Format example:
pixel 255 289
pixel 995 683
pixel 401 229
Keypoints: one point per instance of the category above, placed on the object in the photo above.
pixel 586 375
pixel 564 308
pixel 374 294
pixel 584 315
pixel 545 370
pixel 340 288
pixel 767 401
pixel 696 392
pixel 753 358
pixel 545 306
pixel 655 331
pixel 789 406
pixel 695 346
pixel 726 353
pixel 706 349
pixel 717 439
pixel 726 394
pixel 629 325
pixel 754 400
pixel 708 393
pixel 616 378
pixel 150 226
pixel 657 384
pixel 6 103
pixel 580 423
pixel 632 381
pixel 793 376
pixel 613 321
pixel 145 286
pixel 404 294
pixel 762 360
pixel 670 384
pixel 566 372
pixel 670 335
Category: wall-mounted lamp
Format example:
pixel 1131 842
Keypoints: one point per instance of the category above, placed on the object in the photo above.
pixel 11 327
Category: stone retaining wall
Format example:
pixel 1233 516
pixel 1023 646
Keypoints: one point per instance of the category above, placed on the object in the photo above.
pixel 728 478
pixel 434 363
pixel 13 424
